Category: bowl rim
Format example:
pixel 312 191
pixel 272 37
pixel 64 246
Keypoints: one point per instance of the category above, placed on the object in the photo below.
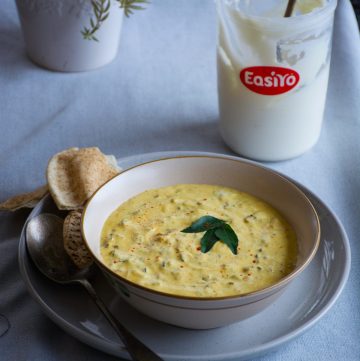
pixel 263 291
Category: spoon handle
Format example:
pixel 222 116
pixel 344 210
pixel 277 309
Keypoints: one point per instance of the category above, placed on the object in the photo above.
pixel 137 350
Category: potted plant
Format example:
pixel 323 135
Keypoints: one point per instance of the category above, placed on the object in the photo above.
pixel 73 35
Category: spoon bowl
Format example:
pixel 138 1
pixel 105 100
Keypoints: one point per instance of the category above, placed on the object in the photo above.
pixel 47 251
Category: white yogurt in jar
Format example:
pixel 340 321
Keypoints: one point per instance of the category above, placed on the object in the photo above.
pixel 273 75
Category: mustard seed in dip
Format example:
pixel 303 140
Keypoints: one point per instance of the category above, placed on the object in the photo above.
pixel 142 242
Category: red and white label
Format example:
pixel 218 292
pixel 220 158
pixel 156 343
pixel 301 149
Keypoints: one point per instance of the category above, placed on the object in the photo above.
pixel 269 80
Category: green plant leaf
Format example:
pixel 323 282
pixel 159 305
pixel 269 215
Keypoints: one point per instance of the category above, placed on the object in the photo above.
pixel 105 17
pixel 101 11
pixel 203 224
pixel 130 5
pixel 227 235
pixel 208 240
pixel 107 8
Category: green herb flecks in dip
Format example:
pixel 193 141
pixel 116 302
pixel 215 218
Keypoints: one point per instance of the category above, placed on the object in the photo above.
pixel 148 240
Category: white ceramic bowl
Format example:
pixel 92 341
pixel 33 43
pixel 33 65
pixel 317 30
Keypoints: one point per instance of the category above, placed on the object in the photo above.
pixel 192 312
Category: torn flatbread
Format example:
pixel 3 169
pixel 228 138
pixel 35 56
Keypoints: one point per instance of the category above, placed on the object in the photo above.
pixel 25 200
pixel 75 174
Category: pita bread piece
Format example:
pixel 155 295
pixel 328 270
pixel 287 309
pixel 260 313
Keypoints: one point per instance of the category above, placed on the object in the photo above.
pixel 75 174
pixel 73 242
pixel 25 200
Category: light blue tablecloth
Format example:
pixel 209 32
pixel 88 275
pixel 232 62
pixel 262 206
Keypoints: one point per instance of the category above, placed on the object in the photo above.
pixel 160 94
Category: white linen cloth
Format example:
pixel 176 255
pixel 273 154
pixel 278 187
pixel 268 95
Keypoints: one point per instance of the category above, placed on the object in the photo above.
pixel 160 94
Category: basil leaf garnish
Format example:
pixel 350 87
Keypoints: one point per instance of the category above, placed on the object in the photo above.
pixel 228 236
pixel 215 230
pixel 208 240
pixel 203 224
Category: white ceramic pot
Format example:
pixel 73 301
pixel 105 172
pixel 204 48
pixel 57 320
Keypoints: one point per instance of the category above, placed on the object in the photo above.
pixel 52 33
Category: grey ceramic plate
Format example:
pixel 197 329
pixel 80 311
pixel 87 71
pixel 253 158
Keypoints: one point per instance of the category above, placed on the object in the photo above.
pixel 288 317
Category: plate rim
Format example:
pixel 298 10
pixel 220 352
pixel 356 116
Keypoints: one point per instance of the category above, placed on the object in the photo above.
pixel 112 348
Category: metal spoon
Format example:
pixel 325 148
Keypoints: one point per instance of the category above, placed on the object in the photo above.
pixel 44 240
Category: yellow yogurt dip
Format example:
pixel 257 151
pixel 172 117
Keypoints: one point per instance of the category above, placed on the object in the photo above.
pixel 142 242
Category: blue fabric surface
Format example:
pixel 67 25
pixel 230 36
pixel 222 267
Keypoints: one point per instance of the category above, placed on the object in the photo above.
pixel 160 94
